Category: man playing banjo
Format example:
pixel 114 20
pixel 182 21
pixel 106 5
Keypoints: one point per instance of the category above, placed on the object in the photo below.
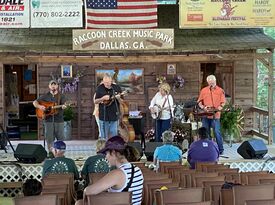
pixel 161 108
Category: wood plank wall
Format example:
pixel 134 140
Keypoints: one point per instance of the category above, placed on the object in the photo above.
pixel 241 71
pixel 244 86
pixel 189 71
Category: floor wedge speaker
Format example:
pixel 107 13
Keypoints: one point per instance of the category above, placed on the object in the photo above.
pixel 252 149
pixel 150 148
pixel 30 153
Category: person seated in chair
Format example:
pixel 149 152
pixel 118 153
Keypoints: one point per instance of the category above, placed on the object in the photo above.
pixel 202 150
pixel 95 164
pixel 167 152
pixel 60 164
pixel 125 178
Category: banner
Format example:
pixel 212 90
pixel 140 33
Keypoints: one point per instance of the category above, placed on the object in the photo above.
pixel 14 14
pixel 56 13
pixel 226 13
pixel 123 39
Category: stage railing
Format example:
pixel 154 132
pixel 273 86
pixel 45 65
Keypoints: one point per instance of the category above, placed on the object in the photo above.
pixel 260 123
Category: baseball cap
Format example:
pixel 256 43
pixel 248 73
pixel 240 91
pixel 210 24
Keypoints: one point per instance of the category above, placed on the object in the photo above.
pixel 113 143
pixel 59 145
pixel 53 81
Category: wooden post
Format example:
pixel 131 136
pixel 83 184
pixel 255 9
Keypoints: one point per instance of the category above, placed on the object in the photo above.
pixel 270 96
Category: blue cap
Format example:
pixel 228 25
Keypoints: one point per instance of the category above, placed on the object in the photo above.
pixel 59 145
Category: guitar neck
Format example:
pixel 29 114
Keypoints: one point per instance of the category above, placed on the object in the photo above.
pixel 56 106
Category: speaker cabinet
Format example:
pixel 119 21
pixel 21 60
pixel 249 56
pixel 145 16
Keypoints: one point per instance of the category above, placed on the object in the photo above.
pixel 150 148
pixel 136 145
pixel 30 153
pixel 252 149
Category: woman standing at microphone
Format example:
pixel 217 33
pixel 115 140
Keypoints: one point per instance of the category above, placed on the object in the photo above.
pixel 212 100
pixel 161 108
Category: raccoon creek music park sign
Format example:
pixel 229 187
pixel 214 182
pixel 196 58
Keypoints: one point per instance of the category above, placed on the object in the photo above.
pixel 123 39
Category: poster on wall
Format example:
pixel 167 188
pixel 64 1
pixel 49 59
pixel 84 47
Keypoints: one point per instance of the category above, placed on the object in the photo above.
pixel 226 13
pixel 56 13
pixel 130 80
pixel 14 14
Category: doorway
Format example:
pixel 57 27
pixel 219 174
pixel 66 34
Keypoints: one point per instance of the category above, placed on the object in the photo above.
pixel 20 92
pixel 224 76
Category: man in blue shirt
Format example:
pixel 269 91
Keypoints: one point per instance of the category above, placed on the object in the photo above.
pixel 203 150
pixel 167 152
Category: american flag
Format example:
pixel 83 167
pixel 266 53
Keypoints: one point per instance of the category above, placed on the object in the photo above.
pixel 121 14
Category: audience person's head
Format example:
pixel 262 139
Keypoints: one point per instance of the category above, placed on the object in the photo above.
pixel 32 187
pixel 168 136
pixel 59 148
pixel 100 144
pixel 116 151
pixel 202 132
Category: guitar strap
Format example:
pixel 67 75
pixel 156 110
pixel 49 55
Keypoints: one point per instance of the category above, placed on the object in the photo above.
pixel 164 102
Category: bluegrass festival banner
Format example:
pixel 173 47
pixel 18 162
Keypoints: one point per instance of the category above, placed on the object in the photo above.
pixel 226 13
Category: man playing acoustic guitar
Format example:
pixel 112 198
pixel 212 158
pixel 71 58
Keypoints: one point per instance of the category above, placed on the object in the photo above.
pixel 53 118
pixel 212 100
pixel 107 96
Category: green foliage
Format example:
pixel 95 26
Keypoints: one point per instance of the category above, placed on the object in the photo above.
pixel 262 76
pixel 68 113
pixel 232 121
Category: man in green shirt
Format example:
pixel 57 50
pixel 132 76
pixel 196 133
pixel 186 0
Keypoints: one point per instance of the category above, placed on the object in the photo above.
pixel 60 164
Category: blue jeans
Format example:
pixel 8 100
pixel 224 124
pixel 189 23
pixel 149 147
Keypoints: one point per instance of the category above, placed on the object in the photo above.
pixel 161 126
pixel 216 125
pixel 111 129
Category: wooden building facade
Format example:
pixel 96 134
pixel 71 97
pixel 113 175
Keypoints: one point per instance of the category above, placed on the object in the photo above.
pixel 230 54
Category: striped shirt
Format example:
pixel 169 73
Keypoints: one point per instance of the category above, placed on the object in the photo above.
pixel 137 184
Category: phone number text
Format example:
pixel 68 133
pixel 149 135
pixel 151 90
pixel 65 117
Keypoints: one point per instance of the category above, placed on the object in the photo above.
pixel 56 14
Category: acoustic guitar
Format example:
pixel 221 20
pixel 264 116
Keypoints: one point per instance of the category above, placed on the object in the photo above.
pixel 51 109
pixel 112 98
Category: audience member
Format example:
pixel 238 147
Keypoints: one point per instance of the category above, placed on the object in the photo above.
pixel 203 150
pixel 167 152
pixel 60 164
pixel 95 164
pixel 126 176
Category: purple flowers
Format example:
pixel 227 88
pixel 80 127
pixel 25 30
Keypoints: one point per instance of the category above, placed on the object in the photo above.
pixel 71 87
pixel 178 82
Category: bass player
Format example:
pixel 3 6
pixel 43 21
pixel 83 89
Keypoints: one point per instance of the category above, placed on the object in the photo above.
pixel 107 96
pixel 162 109
pixel 54 122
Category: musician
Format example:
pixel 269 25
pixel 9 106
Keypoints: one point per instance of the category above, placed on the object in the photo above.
pixel 162 105
pixel 212 100
pixel 107 96
pixel 53 124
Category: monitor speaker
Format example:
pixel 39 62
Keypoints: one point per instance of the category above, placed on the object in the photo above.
pixel 150 148
pixel 136 145
pixel 30 153
pixel 252 149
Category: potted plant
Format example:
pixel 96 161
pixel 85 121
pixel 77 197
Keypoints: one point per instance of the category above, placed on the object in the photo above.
pixel 232 122
pixel 68 115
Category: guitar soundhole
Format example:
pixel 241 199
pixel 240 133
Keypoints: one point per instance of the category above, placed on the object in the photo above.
pixel 48 110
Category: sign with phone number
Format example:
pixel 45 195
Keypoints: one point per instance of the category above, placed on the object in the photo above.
pixel 56 13
pixel 14 14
